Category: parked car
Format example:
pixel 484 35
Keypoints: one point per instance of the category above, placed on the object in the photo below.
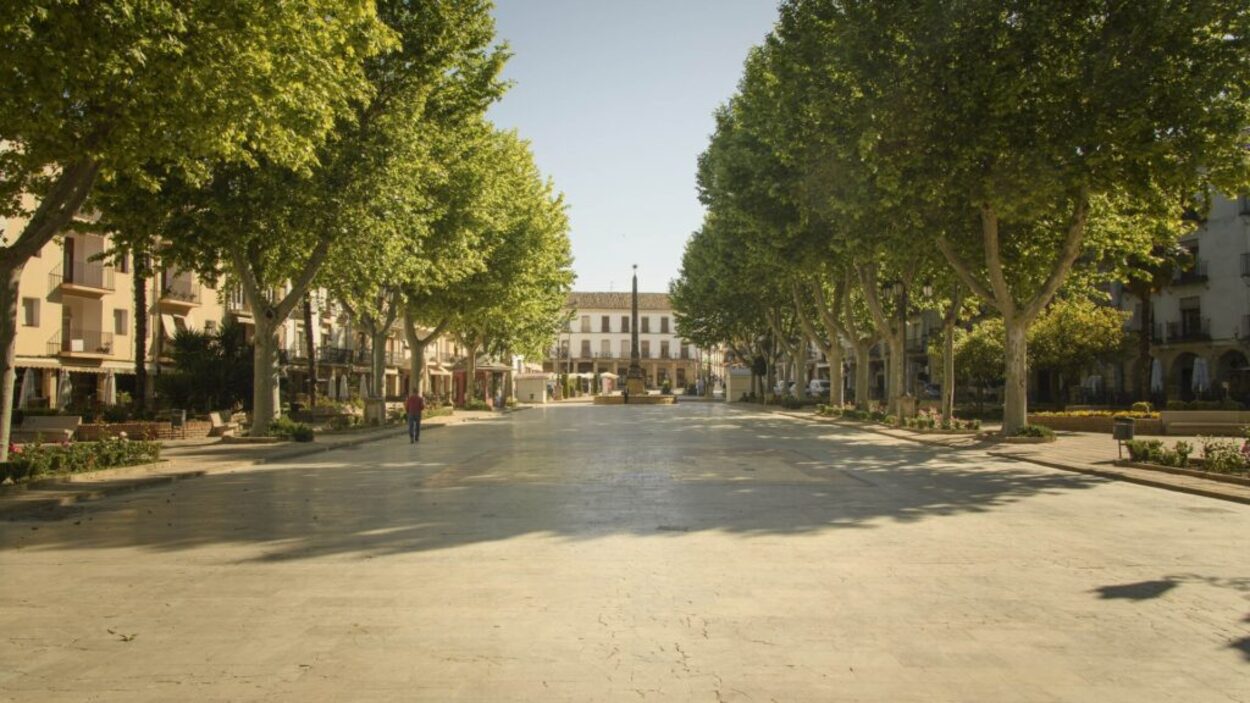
pixel 784 388
pixel 818 388
pixel 932 391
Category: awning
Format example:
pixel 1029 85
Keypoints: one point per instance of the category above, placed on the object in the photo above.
pixel 608 374
pixel 172 324
pixel 36 363
pixel 437 370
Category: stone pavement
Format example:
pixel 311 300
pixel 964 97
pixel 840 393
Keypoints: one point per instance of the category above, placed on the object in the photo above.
pixel 1083 452
pixel 55 498
pixel 686 553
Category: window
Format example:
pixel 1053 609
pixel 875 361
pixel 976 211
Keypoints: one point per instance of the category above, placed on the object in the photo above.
pixel 624 349
pixel 646 324
pixel 664 348
pixel 605 348
pixel 585 323
pixel 568 325
pixel 30 312
pixel 664 325
pixel 121 322
pixel 625 323
pixel 585 349
pixel 605 324
pixel 123 263
pixel 646 348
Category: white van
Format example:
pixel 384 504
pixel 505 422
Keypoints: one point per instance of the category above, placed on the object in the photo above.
pixel 818 388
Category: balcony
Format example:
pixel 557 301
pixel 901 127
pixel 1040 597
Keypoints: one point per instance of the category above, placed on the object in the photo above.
pixel 238 306
pixel 90 278
pixel 1193 330
pixel 82 344
pixel 1192 275
pixel 334 355
pixel 180 292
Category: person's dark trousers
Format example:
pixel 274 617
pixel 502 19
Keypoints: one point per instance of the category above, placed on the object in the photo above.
pixel 414 428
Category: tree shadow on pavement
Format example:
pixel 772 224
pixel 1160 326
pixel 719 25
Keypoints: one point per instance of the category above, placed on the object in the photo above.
pixel 640 471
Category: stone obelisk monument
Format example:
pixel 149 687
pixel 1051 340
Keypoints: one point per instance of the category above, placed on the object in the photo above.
pixel 635 384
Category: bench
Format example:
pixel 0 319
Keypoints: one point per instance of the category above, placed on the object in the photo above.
pixel 46 428
pixel 220 426
pixel 1204 422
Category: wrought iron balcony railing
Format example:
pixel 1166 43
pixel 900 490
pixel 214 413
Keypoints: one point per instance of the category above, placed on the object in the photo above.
pixel 1194 274
pixel 89 342
pixel 85 274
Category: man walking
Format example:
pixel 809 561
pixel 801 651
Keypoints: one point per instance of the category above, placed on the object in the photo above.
pixel 414 406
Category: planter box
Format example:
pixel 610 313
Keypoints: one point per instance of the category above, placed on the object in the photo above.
pixel 195 429
pixel 1211 475
pixel 1207 422
pixel 1094 423
pixel 1020 440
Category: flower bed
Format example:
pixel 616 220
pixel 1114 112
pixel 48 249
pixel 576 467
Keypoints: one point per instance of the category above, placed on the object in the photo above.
pixel 925 422
pixel 1220 459
pixel 34 461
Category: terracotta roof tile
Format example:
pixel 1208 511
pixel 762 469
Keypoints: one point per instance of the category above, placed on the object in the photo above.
pixel 617 301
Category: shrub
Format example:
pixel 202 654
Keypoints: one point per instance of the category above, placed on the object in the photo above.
pixel 1142 406
pixel 437 411
pixel 1222 455
pixel 476 404
pixel 342 422
pixel 1183 449
pixel 116 413
pixel 1143 450
pixel 1035 431
pixel 286 428
pixel 37 460
pixel 1099 413
pixel 889 420
pixel 789 402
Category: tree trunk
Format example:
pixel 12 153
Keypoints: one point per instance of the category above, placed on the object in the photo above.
pixel 470 372
pixel 377 362
pixel 863 364
pixel 836 380
pixel 10 276
pixel 311 350
pixel 265 370
pixel 896 378
pixel 1143 348
pixel 140 267
pixel 948 370
pixel 1015 395
pixel 416 364
pixel 800 369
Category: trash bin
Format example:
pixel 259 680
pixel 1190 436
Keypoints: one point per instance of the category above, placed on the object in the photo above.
pixel 1122 428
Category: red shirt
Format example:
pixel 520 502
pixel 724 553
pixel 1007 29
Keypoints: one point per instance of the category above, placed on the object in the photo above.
pixel 414 405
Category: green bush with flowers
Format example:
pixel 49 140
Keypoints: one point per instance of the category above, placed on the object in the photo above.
pixel 32 461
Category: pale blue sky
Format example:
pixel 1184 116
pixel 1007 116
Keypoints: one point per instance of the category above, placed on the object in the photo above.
pixel 617 98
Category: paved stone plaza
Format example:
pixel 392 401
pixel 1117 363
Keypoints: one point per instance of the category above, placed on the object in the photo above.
pixel 581 553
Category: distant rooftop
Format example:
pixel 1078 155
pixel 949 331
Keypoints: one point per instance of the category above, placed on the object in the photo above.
pixel 617 301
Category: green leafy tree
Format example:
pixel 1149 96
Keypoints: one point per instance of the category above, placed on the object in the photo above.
pixel 211 370
pixel 102 90
pixel 1073 336
pixel 274 227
